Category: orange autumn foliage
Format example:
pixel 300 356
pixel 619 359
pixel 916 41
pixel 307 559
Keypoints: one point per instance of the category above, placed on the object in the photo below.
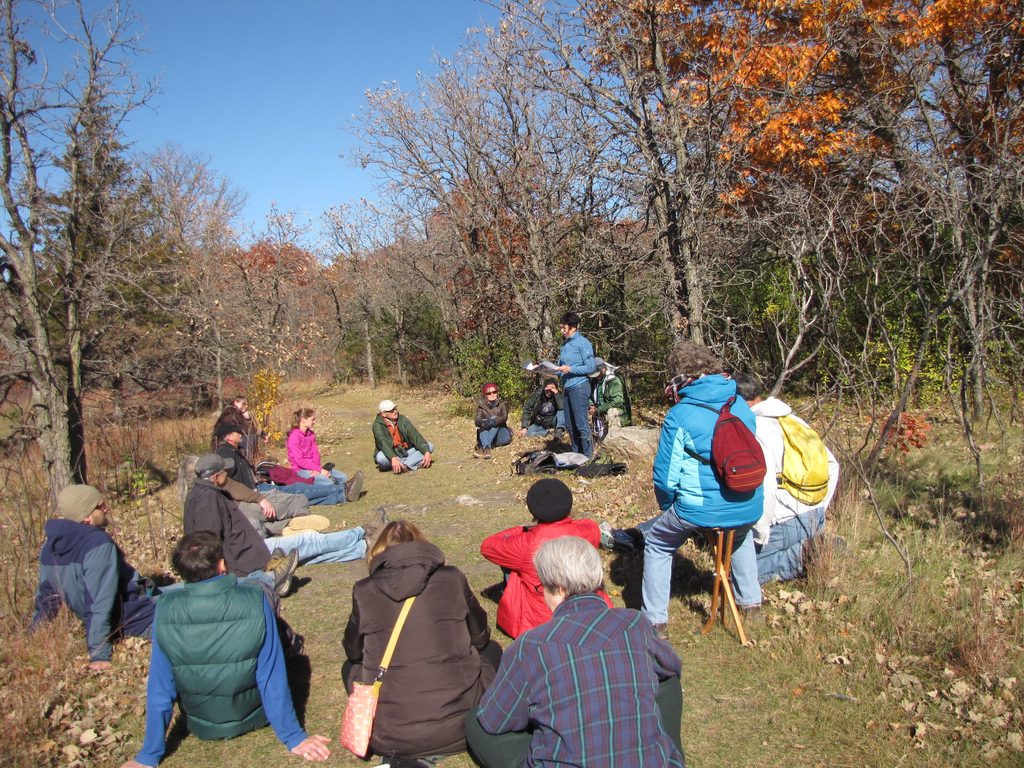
pixel 791 78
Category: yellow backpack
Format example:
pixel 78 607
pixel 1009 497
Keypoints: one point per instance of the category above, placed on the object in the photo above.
pixel 804 462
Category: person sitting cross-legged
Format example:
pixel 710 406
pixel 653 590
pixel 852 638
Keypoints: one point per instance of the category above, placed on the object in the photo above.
pixel 216 650
pixel 398 445
pixel 593 687
pixel 544 411
pixel 522 605
pixel 491 421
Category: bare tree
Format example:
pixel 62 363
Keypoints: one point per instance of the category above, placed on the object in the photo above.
pixel 62 180
pixel 195 210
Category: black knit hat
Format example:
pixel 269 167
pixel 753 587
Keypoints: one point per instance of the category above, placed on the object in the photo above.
pixel 549 500
pixel 226 428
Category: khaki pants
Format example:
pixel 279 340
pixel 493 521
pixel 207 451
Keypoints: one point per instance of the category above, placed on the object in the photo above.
pixel 286 505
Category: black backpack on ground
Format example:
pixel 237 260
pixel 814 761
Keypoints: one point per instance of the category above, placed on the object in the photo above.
pixel 602 469
pixel 534 462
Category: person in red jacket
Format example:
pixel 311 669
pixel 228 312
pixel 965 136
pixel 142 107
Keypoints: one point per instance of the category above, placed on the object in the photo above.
pixel 522 605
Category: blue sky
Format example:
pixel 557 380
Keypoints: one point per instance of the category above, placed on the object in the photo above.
pixel 266 89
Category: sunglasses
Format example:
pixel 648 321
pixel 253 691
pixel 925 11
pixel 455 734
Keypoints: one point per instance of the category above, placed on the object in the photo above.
pixel 491 392
pixel 673 387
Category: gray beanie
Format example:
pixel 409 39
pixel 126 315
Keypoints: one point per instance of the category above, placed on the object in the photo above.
pixel 77 502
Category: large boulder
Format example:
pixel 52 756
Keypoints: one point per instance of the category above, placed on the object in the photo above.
pixel 637 446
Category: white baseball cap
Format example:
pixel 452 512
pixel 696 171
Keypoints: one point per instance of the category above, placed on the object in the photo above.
pixel 385 405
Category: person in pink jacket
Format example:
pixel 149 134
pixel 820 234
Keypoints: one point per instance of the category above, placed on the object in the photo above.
pixel 522 605
pixel 304 456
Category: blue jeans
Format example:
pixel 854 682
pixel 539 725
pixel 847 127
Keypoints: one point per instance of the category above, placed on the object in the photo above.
pixel 336 477
pixel 661 543
pixel 317 493
pixel 577 420
pixel 495 437
pixel 781 558
pixel 313 547
pixel 412 460
pixel 539 430
pixel 625 541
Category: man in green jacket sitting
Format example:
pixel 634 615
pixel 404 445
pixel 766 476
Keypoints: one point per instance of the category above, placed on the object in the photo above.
pixel 398 446
pixel 216 649
pixel 611 400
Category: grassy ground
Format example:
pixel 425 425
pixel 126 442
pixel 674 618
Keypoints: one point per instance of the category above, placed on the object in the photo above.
pixel 848 668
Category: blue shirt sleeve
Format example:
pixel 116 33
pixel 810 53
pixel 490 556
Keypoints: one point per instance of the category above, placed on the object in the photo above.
pixel 160 695
pixel 100 575
pixel 585 366
pixel 272 681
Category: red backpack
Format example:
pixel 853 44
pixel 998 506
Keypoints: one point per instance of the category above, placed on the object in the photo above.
pixel 736 456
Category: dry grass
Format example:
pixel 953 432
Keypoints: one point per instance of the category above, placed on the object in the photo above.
pixel 846 670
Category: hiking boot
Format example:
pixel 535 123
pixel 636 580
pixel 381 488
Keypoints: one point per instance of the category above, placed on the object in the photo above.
pixel 486 453
pixel 752 614
pixel 354 487
pixel 624 541
pixel 661 630
pixel 477 452
pixel 284 567
pixel 373 526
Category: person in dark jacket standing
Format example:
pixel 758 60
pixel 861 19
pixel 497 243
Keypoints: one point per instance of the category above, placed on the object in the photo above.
pixel 216 650
pixel 576 363
pixel 444 658
pixel 491 421
pixel 80 566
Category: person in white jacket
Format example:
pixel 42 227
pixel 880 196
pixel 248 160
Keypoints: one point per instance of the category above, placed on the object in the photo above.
pixel 774 548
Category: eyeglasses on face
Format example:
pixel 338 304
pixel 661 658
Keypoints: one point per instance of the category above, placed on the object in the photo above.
pixel 491 392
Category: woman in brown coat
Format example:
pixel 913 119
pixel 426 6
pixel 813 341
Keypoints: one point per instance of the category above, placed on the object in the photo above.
pixel 444 659
pixel 491 421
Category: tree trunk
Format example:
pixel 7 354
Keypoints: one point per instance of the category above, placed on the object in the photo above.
pixel 371 374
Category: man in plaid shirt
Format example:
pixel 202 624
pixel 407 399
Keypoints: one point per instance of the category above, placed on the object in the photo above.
pixel 592 687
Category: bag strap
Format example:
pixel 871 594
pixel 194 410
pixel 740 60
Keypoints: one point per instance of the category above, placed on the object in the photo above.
pixel 718 411
pixel 393 641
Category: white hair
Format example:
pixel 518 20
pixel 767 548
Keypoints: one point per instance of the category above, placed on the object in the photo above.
pixel 569 564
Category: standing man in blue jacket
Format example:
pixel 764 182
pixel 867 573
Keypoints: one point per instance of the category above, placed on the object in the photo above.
pixel 80 566
pixel 687 490
pixel 576 363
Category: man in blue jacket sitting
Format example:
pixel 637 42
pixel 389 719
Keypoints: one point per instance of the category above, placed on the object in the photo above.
pixel 687 490
pixel 216 650
pixel 80 566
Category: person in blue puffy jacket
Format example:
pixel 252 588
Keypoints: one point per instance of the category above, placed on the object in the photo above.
pixel 687 490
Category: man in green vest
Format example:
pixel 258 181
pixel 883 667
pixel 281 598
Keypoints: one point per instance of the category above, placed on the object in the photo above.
pixel 216 649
